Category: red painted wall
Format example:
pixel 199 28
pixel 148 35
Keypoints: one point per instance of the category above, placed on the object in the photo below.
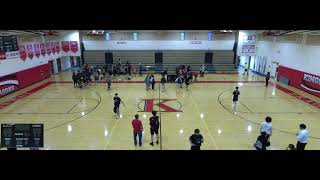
pixel 22 79
pixel 301 80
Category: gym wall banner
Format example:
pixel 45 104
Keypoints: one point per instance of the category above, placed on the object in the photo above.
pixel 12 54
pixel 48 48
pixel 13 82
pixel 302 80
pixel 23 53
pixel 65 46
pixel 53 47
pixel 2 56
pixel 43 49
pixel 57 47
pixel 74 46
pixel 36 50
pixel 8 84
pixel 30 51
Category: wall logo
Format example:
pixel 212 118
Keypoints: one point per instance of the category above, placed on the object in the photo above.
pixel 165 105
pixel 8 84
pixel 311 83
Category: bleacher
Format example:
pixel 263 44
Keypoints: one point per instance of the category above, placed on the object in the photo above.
pixel 222 61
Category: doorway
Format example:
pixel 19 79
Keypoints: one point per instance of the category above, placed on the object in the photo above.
pixel 274 69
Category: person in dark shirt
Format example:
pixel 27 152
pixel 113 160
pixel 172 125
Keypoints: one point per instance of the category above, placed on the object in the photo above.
pixel 291 147
pixel 196 140
pixel 187 81
pixel 117 100
pixel 109 81
pixel 163 82
pixel 235 98
pixel 74 79
pixel 261 142
pixel 114 70
pixel 154 127
pixel 267 78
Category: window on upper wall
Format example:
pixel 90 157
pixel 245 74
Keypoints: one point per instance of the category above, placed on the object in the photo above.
pixel 107 36
pixel 210 34
pixel 135 36
pixel 182 36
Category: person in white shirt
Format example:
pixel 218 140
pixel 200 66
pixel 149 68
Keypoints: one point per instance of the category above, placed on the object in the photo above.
pixel 202 69
pixel 302 137
pixel 267 128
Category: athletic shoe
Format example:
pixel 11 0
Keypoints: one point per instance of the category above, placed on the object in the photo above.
pixel 151 143
pixel 157 142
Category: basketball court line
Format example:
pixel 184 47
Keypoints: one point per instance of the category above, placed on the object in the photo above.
pixel 140 81
pixel 79 117
pixel 263 112
pixel 46 84
pixel 255 123
pixel 113 128
pixel 75 106
pixel 297 95
pixel 204 123
pixel 23 95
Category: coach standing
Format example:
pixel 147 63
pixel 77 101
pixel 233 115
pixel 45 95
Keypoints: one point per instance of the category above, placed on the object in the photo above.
pixel 302 137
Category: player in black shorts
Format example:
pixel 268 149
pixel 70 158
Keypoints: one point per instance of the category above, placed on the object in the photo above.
pixel 163 82
pixel 116 109
pixel 154 127
pixel 236 94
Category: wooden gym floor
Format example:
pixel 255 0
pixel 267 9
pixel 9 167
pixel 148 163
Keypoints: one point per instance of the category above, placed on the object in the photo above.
pixel 80 119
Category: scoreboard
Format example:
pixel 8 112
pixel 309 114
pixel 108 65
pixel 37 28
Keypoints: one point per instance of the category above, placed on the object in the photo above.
pixel 8 43
pixel 21 135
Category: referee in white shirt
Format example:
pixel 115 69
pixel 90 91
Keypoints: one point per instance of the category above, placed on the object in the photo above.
pixel 302 137
pixel 267 127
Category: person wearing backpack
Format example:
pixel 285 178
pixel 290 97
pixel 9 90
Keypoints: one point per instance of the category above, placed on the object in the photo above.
pixel 196 140
pixel 154 127
pixel 267 128
pixel 261 142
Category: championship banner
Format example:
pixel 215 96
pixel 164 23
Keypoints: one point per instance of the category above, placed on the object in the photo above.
pixel 23 53
pixel 43 49
pixel 58 47
pixel 48 48
pixel 65 46
pixel 301 80
pixel 2 56
pixel 36 50
pixel 74 46
pixel 30 51
pixel 53 47
pixel 248 49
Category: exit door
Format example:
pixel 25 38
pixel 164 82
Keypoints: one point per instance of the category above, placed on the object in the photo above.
pixel 274 68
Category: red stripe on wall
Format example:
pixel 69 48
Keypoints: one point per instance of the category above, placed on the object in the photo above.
pixel 298 96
